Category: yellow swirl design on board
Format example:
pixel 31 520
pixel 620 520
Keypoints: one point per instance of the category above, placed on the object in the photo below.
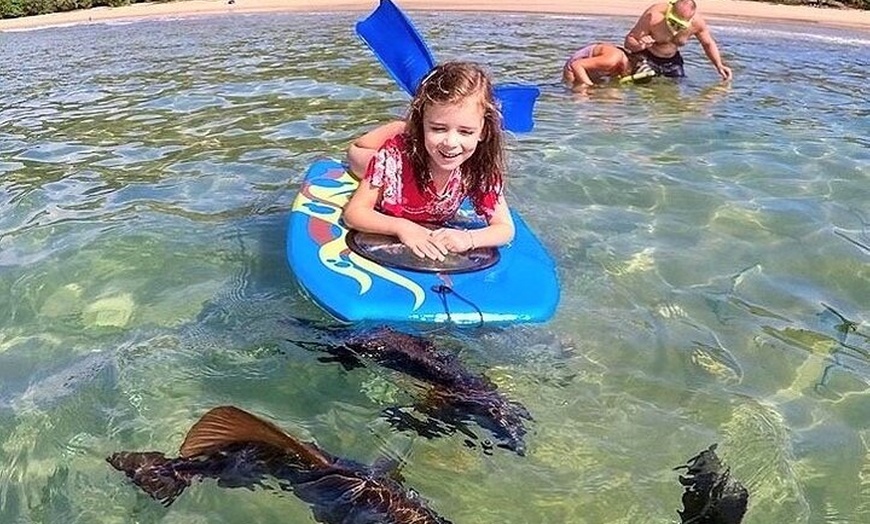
pixel 390 276
pixel 330 252
pixel 335 196
pixel 330 255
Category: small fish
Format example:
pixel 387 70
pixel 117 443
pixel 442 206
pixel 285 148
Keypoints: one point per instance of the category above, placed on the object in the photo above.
pixel 456 395
pixel 711 496
pixel 241 450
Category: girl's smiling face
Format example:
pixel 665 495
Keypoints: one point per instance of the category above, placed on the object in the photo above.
pixel 451 133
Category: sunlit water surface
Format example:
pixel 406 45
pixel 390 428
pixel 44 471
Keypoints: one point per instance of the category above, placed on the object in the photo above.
pixel 711 241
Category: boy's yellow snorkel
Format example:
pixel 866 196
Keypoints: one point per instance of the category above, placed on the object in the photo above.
pixel 641 74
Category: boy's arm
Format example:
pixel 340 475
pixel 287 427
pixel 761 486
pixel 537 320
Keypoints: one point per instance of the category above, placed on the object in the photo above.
pixel 712 51
pixel 639 38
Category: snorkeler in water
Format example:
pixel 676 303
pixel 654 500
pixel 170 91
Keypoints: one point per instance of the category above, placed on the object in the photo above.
pixel 665 27
pixel 601 62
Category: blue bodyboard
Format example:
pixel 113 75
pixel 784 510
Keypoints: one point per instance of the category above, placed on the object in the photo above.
pixel 521 287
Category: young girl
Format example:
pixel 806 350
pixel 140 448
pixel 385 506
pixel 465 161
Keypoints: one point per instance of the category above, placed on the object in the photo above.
pixel 450 147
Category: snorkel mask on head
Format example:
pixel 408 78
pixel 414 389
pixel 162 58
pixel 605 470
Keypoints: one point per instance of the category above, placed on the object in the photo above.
pixel 674 22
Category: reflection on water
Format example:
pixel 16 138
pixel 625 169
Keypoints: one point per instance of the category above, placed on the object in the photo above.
pixel 711 242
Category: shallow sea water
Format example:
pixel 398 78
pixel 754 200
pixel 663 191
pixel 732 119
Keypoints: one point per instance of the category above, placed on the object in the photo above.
pixel 712 244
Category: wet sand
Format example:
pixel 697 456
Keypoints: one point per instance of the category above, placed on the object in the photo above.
pixel 712 9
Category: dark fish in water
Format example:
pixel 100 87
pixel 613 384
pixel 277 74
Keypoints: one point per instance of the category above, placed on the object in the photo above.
pixel 456 394
pixel 711 496
pixel 241 450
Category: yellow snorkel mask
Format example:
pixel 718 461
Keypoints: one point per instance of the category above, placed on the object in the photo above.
pixel 674 22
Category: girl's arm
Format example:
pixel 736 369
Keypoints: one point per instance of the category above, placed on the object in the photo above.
pixel 360 152
pixel 360 214
pixel 498 232
pixel 577 76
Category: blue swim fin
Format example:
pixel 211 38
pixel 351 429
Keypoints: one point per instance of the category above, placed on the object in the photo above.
pixel 517 106
pixel 397 44
pixel 404 54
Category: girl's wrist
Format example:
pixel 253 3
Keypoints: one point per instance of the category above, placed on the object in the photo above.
pixel 470 239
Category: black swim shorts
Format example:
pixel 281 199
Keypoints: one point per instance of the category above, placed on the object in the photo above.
pixel 671 66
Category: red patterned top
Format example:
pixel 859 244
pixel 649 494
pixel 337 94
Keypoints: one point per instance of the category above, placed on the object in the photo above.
pixel 391 171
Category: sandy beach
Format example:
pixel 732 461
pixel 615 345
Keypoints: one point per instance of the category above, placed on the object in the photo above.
pixel 712 9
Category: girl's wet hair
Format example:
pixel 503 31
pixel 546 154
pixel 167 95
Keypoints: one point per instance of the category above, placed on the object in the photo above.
pixel 450 83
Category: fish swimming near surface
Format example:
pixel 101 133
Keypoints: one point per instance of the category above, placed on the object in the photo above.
pixel 239 449
pixel 455 396
pixel 711 496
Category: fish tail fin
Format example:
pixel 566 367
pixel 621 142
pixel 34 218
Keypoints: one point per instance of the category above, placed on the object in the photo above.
pixel 152 472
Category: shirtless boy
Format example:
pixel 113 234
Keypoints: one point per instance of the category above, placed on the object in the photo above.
pixel 665 27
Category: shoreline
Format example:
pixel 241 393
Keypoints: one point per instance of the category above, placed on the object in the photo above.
pixel 739 10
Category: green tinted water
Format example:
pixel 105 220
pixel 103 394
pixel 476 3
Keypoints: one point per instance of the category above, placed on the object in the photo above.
pixel 711 243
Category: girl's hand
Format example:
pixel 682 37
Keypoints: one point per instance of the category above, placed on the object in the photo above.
pixel 422 242
pixel 454 240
